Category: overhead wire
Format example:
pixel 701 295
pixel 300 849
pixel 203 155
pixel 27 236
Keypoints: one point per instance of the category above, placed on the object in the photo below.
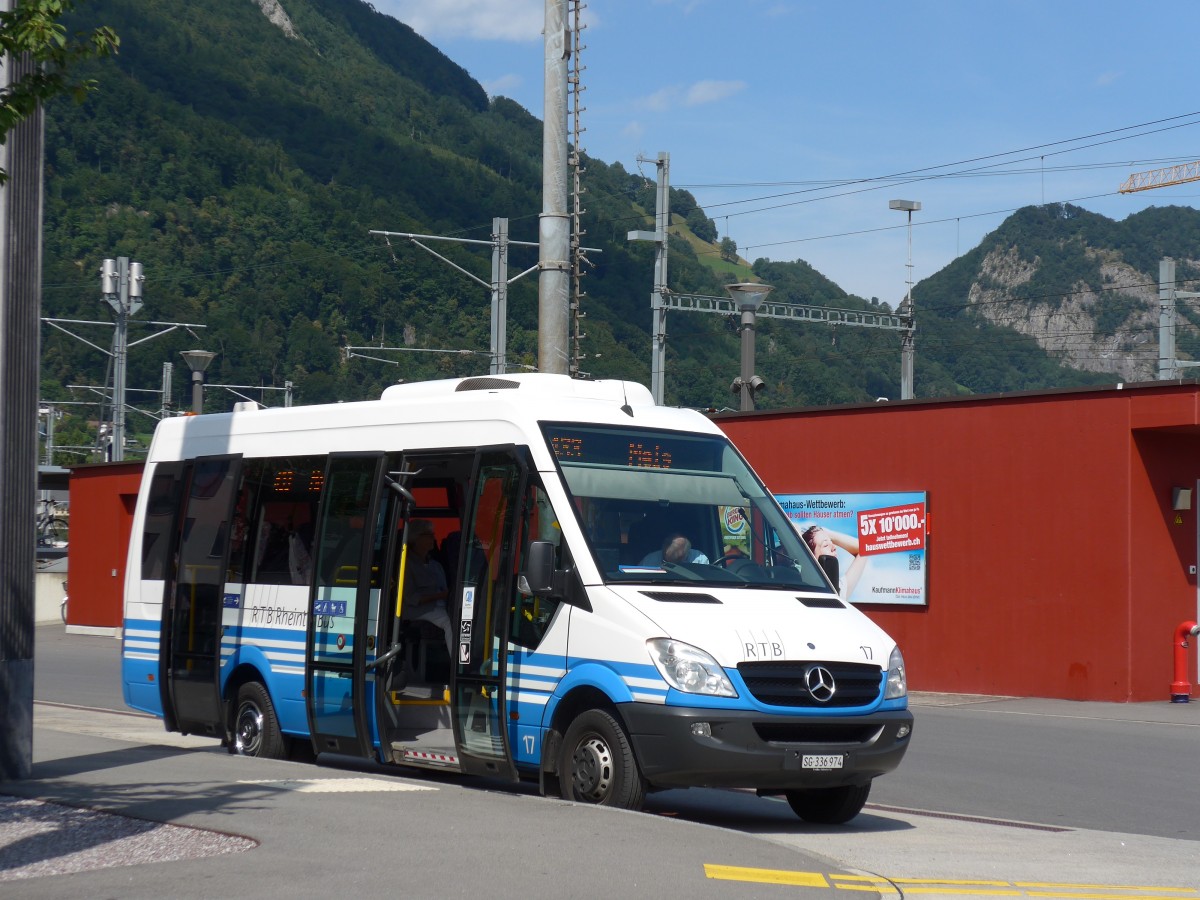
pixel 892 182
pixel 838 182
pixel 901 178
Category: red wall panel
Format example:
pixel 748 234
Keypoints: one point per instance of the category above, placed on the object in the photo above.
pixel 102 502
pixel 1056 568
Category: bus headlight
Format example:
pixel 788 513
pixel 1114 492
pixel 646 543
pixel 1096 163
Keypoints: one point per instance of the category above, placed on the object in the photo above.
pixel 897 683
pixel 689 669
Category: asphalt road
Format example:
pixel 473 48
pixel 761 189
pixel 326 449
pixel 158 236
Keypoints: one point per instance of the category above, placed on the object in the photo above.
pixel 1134 769
pixel 77 669
pixel 997 797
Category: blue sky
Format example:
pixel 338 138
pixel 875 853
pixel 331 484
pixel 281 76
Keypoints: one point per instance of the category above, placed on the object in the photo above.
pixel 769 107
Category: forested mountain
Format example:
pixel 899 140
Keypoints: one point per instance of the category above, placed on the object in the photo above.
pixel 1085 287
pixel 242 150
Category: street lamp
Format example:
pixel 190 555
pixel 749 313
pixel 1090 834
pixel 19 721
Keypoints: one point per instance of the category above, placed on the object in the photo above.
pixel 197 361
pixel 907 338
pixel 749 297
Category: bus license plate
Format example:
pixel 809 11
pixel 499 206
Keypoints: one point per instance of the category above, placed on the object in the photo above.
pixel 821 762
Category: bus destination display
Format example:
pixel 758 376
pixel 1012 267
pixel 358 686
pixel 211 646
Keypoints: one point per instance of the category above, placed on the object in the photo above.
pixel 633 449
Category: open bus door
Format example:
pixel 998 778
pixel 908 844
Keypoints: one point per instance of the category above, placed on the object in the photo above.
pixel 193 596
pixel 485 597
pixel 344 605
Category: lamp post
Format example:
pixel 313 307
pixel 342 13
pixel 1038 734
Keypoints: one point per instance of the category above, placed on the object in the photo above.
pixel 748 297
pixel 197 361
pixel 908 334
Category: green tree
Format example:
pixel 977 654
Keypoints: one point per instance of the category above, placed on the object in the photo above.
pixel 702 226
pixel 729 249
pixel 33 29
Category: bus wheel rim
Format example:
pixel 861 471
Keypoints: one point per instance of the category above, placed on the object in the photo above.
pixel 248 734
pixel 592 769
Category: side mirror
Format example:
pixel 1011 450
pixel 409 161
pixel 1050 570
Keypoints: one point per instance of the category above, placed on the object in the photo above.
pixel 538 577
pixel 830 565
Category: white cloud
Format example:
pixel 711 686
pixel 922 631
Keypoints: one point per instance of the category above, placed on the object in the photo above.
pixel 633 130
pixel 700 93
pixel 712 91
pixel 504 86
pixel 1108 78
pixel 660 101
pixel 497 20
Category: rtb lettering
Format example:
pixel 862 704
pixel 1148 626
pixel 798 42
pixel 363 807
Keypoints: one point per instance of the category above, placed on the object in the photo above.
pixel 763 649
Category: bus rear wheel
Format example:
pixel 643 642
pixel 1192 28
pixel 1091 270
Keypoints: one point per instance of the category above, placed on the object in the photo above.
pixel 597 763
pixel 255 725
pixel 829 806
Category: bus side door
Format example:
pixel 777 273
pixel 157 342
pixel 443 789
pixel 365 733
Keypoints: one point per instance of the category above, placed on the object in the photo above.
pixel 194 597
pixel 343 601
pixel 484 600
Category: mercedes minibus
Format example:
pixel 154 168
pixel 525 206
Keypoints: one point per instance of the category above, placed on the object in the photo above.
pixel 270 599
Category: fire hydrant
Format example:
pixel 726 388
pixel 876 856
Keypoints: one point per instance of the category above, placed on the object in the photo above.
pixel 1181 687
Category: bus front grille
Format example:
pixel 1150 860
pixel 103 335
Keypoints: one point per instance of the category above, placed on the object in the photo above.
pixel 814 685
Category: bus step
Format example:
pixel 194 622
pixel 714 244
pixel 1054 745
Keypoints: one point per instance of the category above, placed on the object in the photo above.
pixel 428 758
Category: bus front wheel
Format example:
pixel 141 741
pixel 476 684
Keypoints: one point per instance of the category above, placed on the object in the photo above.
pixel 597 763
pixel 829 806
pixel 255 725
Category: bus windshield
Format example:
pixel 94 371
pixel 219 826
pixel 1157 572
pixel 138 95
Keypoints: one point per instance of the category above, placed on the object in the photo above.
pixel 667 507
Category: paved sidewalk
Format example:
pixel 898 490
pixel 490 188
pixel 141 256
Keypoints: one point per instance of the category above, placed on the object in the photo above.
pixel 1161 712
pixel 117 807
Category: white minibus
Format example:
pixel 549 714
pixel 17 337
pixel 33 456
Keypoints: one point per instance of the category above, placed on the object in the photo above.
pixel 519 576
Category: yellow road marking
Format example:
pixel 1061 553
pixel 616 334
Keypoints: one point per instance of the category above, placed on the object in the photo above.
pixel 962 888
pixel 879 878
pixel 765 876
pixel 962 891
pixel 873 888
pixel 1102 887
pixel 868 881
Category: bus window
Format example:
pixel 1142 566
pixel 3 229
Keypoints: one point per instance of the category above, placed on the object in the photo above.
pixel 692 492
pixel 162 507
pixel 532 613
pixel 340 553
pixel 485 552
pixel 288 491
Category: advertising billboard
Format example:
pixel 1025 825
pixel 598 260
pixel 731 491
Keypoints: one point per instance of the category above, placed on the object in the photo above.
pixel 879 539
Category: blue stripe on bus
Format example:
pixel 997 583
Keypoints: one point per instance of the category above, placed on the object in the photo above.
pixel 535 681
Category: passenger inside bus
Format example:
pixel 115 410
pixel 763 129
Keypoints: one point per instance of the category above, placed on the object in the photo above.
pixel 660 527
pixel 676 548
pixel 299 553
pixel 425 589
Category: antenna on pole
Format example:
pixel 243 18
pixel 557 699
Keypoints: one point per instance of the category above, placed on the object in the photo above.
pixel 658 302
pixel 909 331
pixel 575 160
pixel 121 285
